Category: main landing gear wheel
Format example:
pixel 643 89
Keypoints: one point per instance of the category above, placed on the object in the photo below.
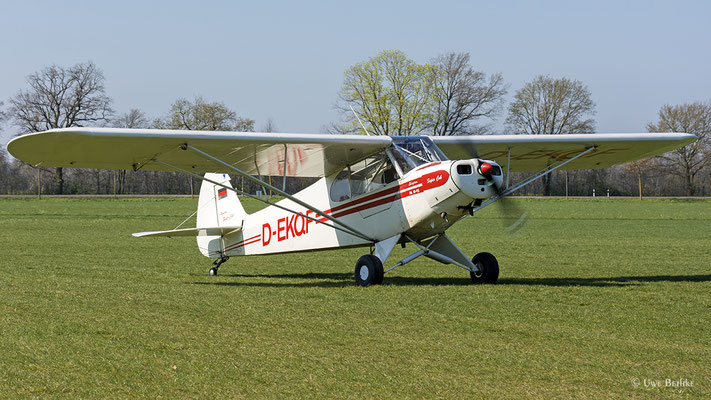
pixel 369 271
pixel 216 265
pixel 488 268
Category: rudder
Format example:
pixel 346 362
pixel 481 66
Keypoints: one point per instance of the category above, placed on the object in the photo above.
pixel 218 206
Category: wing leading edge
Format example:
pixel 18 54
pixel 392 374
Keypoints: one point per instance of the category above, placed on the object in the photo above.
pixel 535 152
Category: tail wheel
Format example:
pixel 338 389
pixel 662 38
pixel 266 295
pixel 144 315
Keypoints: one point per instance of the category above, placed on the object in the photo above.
pixel 488 268
pixel 368 271
pixel 216 265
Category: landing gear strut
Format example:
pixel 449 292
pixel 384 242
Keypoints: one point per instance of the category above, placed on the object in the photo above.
pixel 216 265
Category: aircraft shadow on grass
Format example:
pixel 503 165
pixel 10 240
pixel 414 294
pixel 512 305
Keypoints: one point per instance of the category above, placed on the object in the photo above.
pixel 346 279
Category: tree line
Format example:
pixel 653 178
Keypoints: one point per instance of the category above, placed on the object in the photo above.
pixel 388 94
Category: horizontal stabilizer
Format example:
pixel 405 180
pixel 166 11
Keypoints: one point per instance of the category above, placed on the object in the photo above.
pixel 210 231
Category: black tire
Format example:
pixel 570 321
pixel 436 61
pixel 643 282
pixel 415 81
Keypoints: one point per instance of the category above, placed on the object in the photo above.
pixel 380 272
pixel 368 271
pixel 489 268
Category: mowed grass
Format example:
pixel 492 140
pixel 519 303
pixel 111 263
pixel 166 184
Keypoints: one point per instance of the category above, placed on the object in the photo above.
pixel 593 294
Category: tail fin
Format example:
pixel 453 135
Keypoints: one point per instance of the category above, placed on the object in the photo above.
pixel 218 206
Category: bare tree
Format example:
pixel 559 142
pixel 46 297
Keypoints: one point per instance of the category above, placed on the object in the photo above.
pixel 199 115
pixel 691 159
pixel 389 93
pixel 461 95
pixel 4 172
pixel 269 126
pixel 61 97
pixel 641 169
pixel 135 118
pixel 551 106
pixel 3 116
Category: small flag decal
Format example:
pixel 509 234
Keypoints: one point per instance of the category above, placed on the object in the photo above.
pixel 222 193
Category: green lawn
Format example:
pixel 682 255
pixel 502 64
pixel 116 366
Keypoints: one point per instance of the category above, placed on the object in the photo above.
pixel 593 294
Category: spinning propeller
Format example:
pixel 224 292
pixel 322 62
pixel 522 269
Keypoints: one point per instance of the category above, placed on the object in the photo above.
pixel 514 217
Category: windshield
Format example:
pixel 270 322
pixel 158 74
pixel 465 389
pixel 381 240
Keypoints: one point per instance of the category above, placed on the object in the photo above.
pixel 412 151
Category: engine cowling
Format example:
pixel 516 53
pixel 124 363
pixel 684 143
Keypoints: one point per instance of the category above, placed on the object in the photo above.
pixel 477 178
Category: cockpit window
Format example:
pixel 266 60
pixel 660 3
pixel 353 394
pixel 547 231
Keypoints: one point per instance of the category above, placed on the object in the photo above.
pixel 362 177
pixel 371 174
pixel 340 190
pixel 376 171
pixel 411 152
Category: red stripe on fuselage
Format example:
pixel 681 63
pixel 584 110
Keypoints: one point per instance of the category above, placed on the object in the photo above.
pixel 246 243
pixel 363 199
pixel 253 239
pixel 401 191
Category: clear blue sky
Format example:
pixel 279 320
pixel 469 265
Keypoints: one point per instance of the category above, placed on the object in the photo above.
pixel 285 60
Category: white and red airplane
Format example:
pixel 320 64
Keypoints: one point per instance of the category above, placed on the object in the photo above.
pixel 373 191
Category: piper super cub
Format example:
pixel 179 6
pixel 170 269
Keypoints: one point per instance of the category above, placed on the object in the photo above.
pixel 373 191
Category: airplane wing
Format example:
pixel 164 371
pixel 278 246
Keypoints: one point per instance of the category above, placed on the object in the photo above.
pixel 535 152
pixel 212 231
pixel 307 155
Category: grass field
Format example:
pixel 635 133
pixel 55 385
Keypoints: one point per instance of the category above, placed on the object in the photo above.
pixel 597 299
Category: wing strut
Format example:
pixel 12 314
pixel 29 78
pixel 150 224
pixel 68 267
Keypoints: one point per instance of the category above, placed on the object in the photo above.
pixel 539 175
pixel 279 191
pixel 508 165
pixel 198 176
pixel 283 178
pixel 262 200
pixel 349 230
